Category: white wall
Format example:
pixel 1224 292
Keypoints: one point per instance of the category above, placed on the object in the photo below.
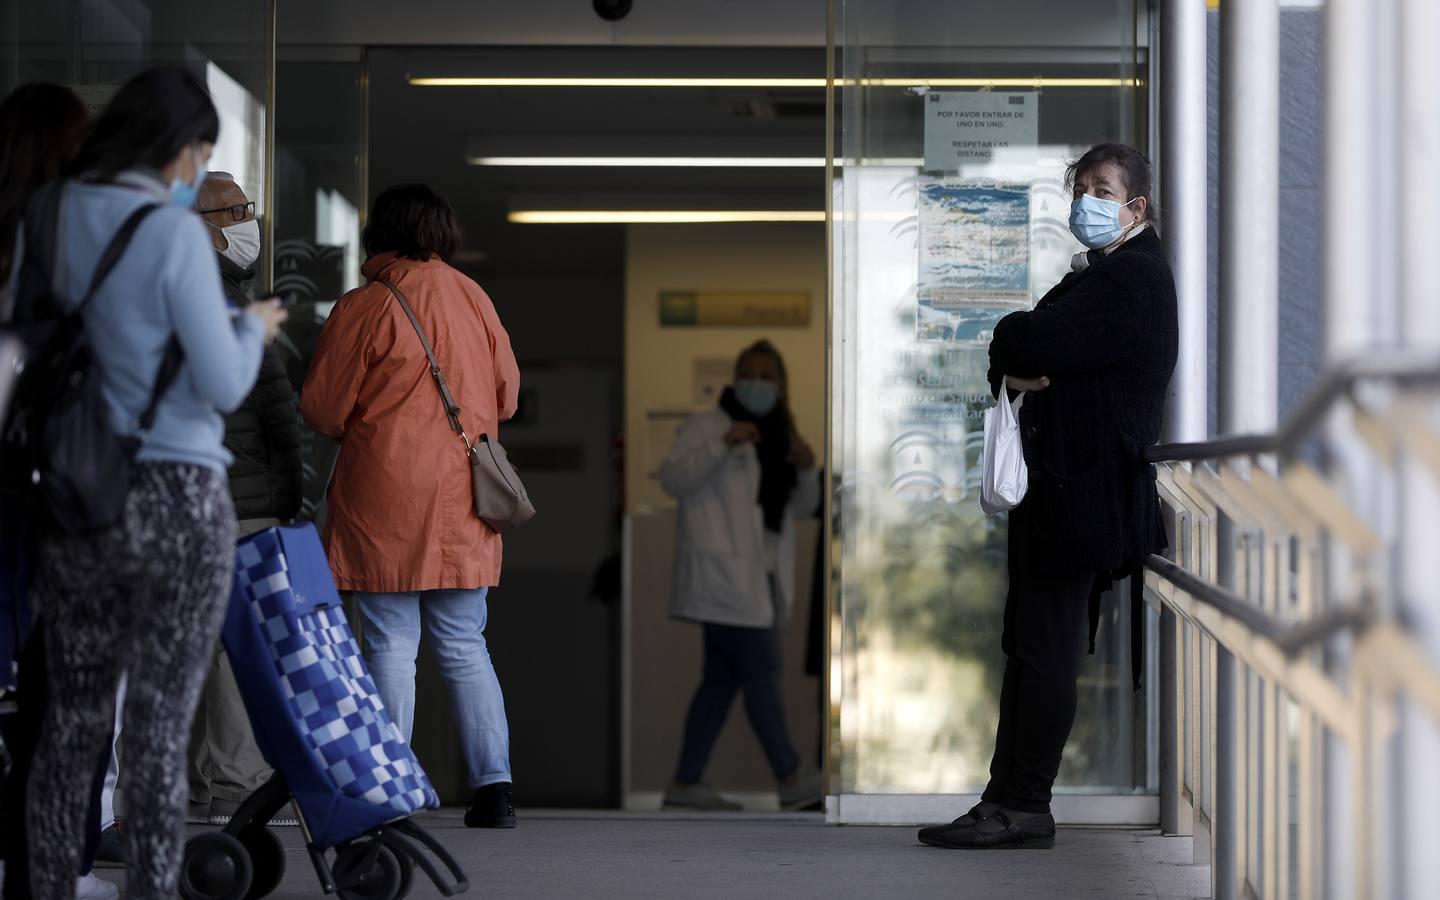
pixel 664 655
pixel 659 361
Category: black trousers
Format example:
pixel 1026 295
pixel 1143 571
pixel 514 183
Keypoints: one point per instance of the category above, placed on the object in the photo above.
pixel 1046 620
pixel 737 660
pixel 22 733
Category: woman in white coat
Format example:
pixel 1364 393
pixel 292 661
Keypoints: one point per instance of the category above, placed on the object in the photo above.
pixel 742 475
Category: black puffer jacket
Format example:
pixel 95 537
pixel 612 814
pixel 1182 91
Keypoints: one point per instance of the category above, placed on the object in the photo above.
pixel 264 433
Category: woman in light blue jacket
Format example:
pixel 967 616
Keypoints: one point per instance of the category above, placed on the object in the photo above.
pixel 742 475
pixel 146 596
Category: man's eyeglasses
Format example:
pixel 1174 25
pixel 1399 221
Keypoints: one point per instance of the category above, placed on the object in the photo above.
pixel 238 212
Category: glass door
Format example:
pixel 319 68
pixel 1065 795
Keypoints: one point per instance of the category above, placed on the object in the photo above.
pixel 94 46
pixel 957 122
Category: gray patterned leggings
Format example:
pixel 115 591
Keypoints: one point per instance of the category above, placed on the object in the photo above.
pixel 147 597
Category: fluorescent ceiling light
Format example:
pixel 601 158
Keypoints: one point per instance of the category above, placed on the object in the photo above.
pixel 997 82
pixel 689 217
pixel 516 82
pixel 620 82
pixel 660 217
pixel 657 162
pixel 673 162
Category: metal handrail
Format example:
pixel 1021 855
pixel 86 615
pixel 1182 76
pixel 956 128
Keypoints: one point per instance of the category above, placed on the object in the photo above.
pixel 1402 367
pixel 1290 639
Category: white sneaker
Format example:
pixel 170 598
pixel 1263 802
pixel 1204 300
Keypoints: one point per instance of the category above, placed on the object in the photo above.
pixel 806 791
pixel 88 887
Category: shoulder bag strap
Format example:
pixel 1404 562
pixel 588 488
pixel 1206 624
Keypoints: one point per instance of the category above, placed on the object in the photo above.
pixel 452 410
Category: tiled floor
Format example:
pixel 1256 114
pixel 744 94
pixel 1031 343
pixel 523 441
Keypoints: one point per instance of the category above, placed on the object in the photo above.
pixel 604 855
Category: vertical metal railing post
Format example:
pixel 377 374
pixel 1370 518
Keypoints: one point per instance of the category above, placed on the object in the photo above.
pixel 1184 183
pixel 1419 126
pixel 1351 82
pixel 1183 192
pixel 1249 344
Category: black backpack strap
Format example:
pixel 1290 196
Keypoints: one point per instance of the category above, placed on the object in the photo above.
pixel 169 371
pixel 114 251
pixel 174 354
pixel 42 247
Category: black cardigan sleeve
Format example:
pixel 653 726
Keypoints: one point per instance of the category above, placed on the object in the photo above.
pixel 1091 327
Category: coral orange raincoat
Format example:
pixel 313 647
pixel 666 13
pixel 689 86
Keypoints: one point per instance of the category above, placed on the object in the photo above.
pixel 400 517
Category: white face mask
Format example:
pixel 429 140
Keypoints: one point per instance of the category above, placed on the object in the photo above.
pixel 243 243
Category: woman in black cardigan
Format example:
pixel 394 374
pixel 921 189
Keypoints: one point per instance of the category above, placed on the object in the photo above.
pixel 1096 353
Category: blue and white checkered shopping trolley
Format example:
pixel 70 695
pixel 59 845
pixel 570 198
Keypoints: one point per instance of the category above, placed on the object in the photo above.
pixel 320 723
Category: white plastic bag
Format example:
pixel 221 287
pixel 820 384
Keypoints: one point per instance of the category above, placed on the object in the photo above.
pixel 1005 477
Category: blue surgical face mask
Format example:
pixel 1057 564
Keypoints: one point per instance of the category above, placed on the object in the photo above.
pixel 184 195
pixel 1096 222
pixel 757 395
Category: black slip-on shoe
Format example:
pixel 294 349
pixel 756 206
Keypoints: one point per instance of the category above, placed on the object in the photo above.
pixel 933 833
pixel 1035 833
pixel 492 807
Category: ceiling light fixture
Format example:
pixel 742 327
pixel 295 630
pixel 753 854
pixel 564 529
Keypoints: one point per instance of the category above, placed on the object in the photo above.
pixel 997 82
pixel 656 162
pixel 693 217
pixel 619 82
pixel 676 162
pixel 660 217
pixel 812 83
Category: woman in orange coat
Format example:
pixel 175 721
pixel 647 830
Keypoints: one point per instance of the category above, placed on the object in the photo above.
pixel 401 531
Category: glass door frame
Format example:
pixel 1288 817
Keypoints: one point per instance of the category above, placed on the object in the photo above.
pixel 855 807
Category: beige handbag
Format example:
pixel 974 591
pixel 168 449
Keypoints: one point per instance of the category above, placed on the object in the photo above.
pixel 500 498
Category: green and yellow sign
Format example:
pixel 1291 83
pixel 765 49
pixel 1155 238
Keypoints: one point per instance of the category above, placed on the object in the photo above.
pixel 735 309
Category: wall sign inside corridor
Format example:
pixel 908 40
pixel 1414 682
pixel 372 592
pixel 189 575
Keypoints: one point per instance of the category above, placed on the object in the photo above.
pixel 966 129
pixel 735 309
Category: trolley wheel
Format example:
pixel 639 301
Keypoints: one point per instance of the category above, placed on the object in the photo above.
pixel 267 858
pixel 382 879
pixel 216 867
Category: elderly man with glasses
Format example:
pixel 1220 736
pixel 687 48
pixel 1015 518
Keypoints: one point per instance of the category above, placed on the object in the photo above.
pixel 265 482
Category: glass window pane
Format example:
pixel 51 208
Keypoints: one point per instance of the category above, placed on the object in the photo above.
pixel 951 212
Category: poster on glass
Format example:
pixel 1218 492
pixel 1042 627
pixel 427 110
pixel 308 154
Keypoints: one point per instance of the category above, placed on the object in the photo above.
pixel 974 258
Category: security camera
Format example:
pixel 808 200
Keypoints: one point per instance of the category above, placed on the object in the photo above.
pixel 613 10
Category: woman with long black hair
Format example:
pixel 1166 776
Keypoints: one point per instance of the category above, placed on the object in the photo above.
pixel 41 125
pixel 144 597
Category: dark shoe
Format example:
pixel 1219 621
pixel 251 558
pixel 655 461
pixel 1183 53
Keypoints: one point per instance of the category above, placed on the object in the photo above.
pixel 492 807
pixel 698 796
pixel 976 813
pixel 995 832
pixel 112 847
pixel 805 790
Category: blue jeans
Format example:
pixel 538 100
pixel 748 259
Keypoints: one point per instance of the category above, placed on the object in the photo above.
pixel 455 621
